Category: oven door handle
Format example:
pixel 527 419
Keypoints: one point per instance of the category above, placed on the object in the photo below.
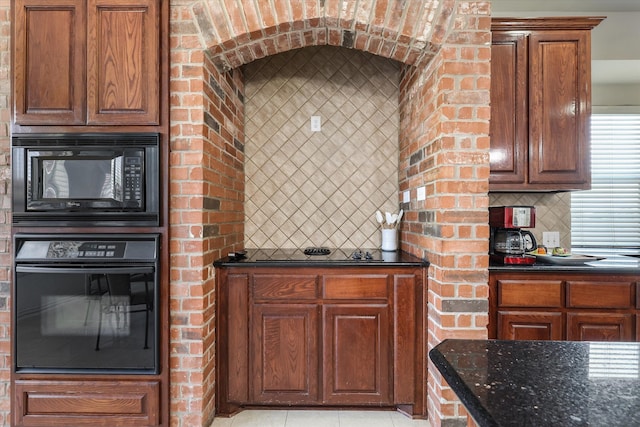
pixel 76 270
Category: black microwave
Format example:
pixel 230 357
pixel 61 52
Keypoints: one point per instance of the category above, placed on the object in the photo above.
pixel 86 179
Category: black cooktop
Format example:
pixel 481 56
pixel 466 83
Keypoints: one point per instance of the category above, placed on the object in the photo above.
pixel 322 255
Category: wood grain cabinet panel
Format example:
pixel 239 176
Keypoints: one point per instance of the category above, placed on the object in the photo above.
pixel 87 62
pixel 540 104
pixel 284 353
pixel 600 327
pixel 529 325
pixel 86 403
pixel 560 106
pixel 290 287
pixel 356 354
pixel 49 62
pixel 235 329
pixel 509 112
pixel 360 286
pixel 530 293
pixel 600 294
pixel 123 62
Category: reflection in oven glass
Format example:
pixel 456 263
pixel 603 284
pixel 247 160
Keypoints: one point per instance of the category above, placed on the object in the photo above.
pixel 73 315
pixel 85 321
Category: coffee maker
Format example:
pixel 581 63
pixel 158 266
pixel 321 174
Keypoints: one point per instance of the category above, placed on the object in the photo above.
pixel 509 244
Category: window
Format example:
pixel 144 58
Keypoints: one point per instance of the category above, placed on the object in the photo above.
pixel 607 217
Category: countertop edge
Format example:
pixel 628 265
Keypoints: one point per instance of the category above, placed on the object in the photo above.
pixel 275 259
pixel 226 262
pixel 473 406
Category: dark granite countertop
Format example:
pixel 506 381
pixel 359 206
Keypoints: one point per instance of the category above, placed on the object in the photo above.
pixel 612 264
pixel 544 383
pixel 338 257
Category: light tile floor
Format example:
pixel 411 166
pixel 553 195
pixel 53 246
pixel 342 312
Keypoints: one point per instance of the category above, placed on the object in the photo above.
pixel 312 418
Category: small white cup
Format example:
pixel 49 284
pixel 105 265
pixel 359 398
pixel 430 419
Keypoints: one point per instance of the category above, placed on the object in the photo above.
pixel 389 239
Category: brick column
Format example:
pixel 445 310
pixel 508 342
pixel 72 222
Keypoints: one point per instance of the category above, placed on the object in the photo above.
pixel 444 148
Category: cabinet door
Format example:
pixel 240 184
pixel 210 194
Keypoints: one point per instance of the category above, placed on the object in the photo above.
pixel 600 327
pixel 284 353
pixel 509 111
pixel 49 62
pixel 529 325
pixel 356 354
pixel 123 84
pixel 559 109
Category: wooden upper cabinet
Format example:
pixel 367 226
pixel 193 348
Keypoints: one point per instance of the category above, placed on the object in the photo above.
pixel 541 104
pixel 509 112
pixel 560 106
pixel 123 62
pixel 49 62
pixel 87 62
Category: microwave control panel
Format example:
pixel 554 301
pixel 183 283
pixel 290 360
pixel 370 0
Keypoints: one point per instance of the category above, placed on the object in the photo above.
pixel 133 179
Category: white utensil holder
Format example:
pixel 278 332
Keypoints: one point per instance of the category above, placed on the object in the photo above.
pixel 389 239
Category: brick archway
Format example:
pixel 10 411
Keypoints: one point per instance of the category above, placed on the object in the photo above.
pixel 237 31
pixel 444 104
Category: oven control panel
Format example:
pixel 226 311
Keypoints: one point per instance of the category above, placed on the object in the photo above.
pixel 99 250
pixel 61 250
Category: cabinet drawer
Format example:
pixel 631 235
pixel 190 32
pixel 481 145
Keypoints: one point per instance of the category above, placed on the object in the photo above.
pixel 90 403
pixel 600 295
pixel 278 286
pixel 349 286
pixel 530 293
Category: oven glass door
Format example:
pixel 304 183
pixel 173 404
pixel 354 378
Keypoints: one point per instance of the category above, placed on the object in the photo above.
pixel 86 318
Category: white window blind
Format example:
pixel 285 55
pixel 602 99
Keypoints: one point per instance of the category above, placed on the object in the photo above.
pixel 608 215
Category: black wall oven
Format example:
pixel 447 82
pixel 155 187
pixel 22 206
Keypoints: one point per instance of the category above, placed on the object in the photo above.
pixel 86 303
pixel 86 179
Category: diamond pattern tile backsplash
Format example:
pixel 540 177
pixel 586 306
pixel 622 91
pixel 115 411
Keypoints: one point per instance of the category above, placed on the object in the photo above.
pixel 553 211
pixel 307 188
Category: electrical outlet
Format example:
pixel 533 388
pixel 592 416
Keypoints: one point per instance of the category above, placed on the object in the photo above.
pixel 316 124
pixel 551 239
pixel 422 194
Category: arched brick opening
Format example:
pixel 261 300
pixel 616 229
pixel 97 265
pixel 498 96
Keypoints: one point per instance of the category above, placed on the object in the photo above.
pixel 444 96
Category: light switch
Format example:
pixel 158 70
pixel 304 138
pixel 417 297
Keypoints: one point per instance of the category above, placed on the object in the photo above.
pixel 406 197
pixel 422 193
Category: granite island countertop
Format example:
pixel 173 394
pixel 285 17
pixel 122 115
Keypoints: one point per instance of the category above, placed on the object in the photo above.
pixel 544 383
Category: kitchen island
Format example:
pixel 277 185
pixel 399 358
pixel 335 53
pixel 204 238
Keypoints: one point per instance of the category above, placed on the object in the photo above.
pixel 543 383
pixel 339 329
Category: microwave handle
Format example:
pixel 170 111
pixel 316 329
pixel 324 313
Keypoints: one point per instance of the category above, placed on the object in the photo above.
pixel 95 270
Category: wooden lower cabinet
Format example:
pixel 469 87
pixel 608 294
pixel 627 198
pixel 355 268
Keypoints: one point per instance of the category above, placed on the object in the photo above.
pixel 539 305
pixel 339 337
pixel 51 403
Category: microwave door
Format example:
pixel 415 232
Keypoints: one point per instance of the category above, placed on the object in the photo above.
pixel 86 180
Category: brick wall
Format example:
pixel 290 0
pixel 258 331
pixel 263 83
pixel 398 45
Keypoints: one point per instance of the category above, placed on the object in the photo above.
pixel 445 148
pixel 5 212
pixel 207 191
